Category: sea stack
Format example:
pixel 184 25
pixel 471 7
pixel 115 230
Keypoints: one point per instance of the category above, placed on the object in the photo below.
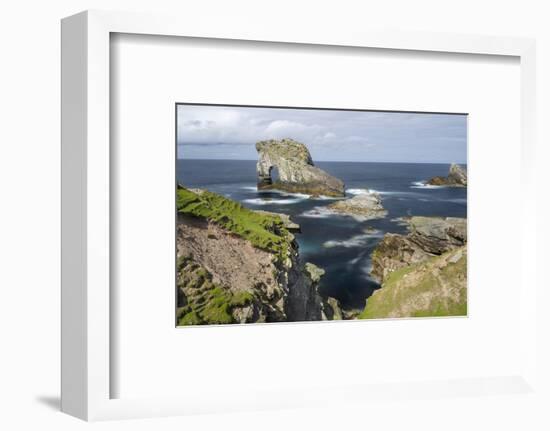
pixel 297 173
pixel 457 177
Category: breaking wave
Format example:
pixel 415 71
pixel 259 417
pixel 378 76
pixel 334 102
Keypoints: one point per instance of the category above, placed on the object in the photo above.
pixel 423 185
pixel 270 201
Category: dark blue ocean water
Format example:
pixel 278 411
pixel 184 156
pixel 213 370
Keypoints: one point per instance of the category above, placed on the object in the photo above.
pixel 339 244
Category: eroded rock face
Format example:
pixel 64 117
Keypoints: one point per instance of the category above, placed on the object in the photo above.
pixel 297 173
pixel 367 205
pixel 436 235
pixel 457 177
pixel 433 287
pixel 223 278
pixel 428 237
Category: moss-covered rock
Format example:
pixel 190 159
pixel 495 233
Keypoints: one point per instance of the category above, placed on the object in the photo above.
pixel 201 301
pixel 236 265
pixel 434 287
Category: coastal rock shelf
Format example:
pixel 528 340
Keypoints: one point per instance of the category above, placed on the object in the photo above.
pixel 428 236
pixel 422 273
pixel 297 173
pixel 433 287
pixel 457 177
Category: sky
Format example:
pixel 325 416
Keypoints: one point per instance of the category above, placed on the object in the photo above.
pixel 227 132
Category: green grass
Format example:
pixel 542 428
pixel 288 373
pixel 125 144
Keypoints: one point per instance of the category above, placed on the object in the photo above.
pixel 206 303
pixel 264 231
pixel 396 292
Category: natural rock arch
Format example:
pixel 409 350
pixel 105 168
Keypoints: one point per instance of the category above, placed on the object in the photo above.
pixel 297 173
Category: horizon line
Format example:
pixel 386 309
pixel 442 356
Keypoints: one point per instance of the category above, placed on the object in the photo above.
pixel 333 161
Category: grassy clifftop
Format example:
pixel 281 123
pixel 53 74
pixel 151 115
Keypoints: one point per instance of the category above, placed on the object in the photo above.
pixel 264 231
pixel 436 287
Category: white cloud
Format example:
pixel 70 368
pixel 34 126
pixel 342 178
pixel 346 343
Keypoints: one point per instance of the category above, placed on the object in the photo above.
pixel 330 135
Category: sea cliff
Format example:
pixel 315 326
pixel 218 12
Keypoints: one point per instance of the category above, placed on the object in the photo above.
pixel 422 273
pixel 236 265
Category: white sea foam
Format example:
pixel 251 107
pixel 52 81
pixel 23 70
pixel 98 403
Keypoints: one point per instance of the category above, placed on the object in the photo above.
pixel 324 212
pixel 356 192
pixel 457 200
pixel 319 212
pixel 367 269
pixel 400 221
pixel 268 201
pixel 274 191
pixel 423 185
pixel 354 241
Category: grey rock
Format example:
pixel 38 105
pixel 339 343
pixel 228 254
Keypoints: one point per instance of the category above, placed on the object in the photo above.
pixel 457 177
pixel 367 205
pixel 297 173
pixel 332 309
pixel 315 273
pixel 428 237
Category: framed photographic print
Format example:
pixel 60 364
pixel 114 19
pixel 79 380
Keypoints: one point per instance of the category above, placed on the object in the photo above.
pixel 300 206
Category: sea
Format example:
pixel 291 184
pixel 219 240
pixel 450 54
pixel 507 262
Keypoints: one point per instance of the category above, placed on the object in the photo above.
pixel 341 245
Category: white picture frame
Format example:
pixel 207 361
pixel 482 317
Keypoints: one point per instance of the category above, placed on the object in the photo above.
pixel 86 169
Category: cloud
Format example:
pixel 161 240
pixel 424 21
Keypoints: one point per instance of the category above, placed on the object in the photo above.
pixel 329 134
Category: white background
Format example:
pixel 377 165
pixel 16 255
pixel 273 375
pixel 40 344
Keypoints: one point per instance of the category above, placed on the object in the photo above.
pixel 29 365
pixel 295 356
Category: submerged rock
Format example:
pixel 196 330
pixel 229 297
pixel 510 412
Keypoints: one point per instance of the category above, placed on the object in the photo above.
pixel 297 173
pixel 367 205
pixel 428 236
pixel 457 177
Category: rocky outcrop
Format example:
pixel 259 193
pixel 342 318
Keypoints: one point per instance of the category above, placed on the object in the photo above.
pixel 367 205
pixel 332 310
pixel 436 286
pixel 457 177
pixel 236 265
pixel 297 173
pixel 428 236
pixel 289 225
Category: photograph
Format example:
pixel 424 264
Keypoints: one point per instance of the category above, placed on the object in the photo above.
pixel 314 214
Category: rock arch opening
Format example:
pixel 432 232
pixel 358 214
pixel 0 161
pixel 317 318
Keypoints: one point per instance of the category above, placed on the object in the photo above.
pixel 274 174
